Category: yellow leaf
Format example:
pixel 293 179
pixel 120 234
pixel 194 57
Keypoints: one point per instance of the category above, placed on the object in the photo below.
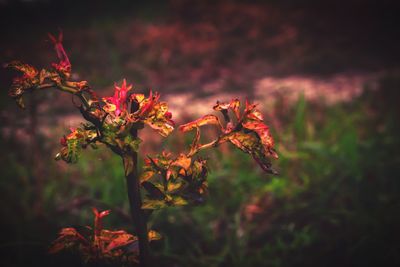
pixel 179 201
pixel 173 186
pixel 235 105
pixel 109 107
pixel 150 204
pixel 138 97
pixel 153 235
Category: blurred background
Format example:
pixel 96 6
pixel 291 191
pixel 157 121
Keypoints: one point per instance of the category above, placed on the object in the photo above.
pixel 326 75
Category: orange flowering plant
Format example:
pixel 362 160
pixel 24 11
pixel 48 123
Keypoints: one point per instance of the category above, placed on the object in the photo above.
pixel 165 180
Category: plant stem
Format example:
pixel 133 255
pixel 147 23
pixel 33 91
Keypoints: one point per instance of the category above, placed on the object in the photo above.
pixel 211 144
pixel 135 201
pixel 68 89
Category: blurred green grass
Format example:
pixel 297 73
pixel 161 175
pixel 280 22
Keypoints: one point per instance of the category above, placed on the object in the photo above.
pixel 335 200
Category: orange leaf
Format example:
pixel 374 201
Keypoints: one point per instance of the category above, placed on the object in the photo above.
pixel 235 105
pixel 255 114
pixel 120 241
pixel 182 161
pixel 153 235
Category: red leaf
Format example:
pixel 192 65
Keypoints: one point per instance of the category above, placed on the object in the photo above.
pixel 118 102
pixel 147 106
pixel 264 134
pixel 98 220
pixel 64 65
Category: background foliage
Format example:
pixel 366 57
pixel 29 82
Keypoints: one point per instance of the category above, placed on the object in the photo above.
pixel 334 202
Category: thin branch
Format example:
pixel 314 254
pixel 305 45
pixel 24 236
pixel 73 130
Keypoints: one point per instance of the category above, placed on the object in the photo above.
pixel 67 89
pixel 212 144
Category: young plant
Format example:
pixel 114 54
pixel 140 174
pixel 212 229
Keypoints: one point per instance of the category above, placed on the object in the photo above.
pixel 166 180
pixel 99 245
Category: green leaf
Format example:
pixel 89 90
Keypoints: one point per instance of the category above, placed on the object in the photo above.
pixel 70 154
pixel 134 144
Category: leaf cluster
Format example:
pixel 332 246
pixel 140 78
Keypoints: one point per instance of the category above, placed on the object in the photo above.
pixel 173 181
pixel 98 245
